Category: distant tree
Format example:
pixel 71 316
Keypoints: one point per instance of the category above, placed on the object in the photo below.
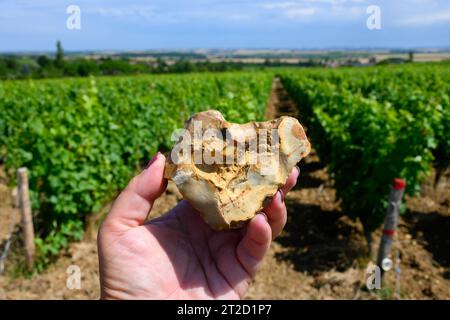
pixel 114 66
pixel 11 63
pixel 59 59
pixel 87 67
pixel 142 67
pixel 9 67
pixel 25 70
pixel 3 68
pixel 160 66
pixel 44 61
pixel 182 66
pixel 411 56
pixel 80 67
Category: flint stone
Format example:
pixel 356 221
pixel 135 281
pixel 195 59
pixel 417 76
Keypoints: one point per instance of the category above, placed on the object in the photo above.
pixel 228 193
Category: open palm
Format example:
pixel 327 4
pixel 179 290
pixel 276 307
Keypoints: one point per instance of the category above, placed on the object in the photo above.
pixel 178 256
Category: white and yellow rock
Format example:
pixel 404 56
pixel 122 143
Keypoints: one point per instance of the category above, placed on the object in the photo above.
pixel 228 193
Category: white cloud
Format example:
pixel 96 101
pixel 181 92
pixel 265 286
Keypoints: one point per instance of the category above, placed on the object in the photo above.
pixel 426 19
pixel 281 5
pixel 341 9
pixel 157 14
pixel 332 2
pixel 300 12
pixel 348 12
pixel 142 11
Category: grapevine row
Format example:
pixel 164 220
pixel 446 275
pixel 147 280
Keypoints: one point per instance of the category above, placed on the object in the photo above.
pixel 373 125
pixel 82 139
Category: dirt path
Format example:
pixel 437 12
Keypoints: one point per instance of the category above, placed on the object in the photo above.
pixel 321 254
pixel 280 104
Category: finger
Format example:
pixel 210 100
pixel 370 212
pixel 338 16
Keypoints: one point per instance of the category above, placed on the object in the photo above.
pixel 254 244
pixel 135 202
pixel 276 214
pixel 291 180
pixel 276 210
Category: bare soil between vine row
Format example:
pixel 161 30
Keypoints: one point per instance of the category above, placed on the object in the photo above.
pixel 321 254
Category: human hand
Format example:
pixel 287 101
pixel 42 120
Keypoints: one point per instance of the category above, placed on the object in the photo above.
pixel 178 256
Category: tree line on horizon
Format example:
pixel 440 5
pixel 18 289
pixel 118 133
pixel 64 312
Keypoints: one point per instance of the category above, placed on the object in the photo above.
pixel 57 65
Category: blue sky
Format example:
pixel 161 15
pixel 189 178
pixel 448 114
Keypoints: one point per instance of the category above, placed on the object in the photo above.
pixel 178 24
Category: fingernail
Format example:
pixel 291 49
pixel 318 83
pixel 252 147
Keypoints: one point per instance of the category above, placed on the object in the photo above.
pixel 281 195
pixel 152 160
pixel 298 169
pixel 264 215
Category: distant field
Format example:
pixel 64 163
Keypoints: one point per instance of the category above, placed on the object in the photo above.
pixel 260 56
pixel 287 57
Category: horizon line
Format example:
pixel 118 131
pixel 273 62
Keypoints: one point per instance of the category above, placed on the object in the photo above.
pixel 212 49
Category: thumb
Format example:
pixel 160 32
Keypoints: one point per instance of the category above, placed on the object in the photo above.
pixel 135 202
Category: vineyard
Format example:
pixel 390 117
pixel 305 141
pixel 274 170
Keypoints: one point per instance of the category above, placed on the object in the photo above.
pixel 370 127
pixel 82 139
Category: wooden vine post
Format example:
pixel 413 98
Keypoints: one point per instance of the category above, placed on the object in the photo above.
pixel 391 221
pixel 26 216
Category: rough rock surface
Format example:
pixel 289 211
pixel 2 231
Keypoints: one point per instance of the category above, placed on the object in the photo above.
pixel 229 171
